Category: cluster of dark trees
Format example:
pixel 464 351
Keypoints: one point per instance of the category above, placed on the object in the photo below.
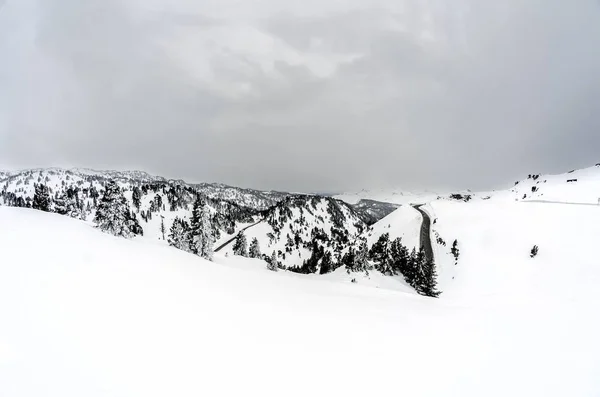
pixel 240 247
pixel 461 197
pixel 386 256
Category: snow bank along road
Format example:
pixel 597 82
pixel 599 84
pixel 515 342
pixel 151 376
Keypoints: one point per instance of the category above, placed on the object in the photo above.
pixel 425 233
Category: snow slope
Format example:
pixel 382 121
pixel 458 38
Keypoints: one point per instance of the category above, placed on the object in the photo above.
pixel 405 223
pixel 88 314
pixel 495 239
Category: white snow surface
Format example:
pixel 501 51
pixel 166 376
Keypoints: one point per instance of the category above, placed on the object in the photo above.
pixel 405 222
pixel 83 313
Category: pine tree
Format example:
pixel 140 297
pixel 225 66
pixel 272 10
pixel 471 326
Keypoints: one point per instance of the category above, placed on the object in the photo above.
pixel 254 251
pixel 398 257
pixel 162 226
pixel 410 270
pixel 240 247
pixel 113 215
pixel 379 250
pixel 455 251
pixel 179 235
pixel 326 263
pixel 67 204
pixel 428 285
pixel 201 233
pixel 41 198
pixel 273 264
pixel 361 261
pixel 534 251
pixel 136 198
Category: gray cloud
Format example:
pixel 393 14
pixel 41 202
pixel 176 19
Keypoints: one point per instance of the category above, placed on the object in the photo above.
pixel 324 96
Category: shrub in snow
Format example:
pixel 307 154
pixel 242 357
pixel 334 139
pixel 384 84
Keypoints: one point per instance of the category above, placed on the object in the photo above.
pixel 534 251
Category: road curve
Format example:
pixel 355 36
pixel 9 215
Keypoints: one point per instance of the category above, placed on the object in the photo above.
pixel 425 233
pixel 226 243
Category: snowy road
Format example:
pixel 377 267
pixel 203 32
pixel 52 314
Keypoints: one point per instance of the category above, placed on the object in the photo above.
pixel 425 233
pixel 226 243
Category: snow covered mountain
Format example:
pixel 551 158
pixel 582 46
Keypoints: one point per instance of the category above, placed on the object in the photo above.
pixel 56 178
pixel 302 226
pixel 245 197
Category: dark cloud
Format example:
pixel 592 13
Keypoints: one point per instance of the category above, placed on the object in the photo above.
pixel 327 96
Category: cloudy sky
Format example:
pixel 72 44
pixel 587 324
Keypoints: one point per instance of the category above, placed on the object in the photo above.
pixel 325 95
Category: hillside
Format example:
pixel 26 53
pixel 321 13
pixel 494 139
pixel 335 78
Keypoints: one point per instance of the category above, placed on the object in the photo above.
pixel 21 183
pixel 302 230
pixel 300 225
pixel 90 314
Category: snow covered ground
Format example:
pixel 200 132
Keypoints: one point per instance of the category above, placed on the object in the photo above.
pixel 87 314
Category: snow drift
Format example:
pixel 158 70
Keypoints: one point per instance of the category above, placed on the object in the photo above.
pixel 86 314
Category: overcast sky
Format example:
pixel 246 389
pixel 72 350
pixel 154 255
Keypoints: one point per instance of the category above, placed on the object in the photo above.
pixel 303 95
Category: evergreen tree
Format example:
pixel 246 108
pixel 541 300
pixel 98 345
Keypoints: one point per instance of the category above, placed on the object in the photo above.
pixel 113 215
pixel 361 261
pixel 136 198
pixel 273 264
pixel 240 247
pixel 379 250
pixel 179 235
pixel 428 285
pixel 398 257
pixel 201 233
pixel 41 198
pixel 410 270
pixel 254 251
pixel 67 204
pixel 162 226
pixel 327 265
pixel 534 251
pixel 455 251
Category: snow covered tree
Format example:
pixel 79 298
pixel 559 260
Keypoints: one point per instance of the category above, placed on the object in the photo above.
pixel 379 250
pixel 410 270
pixel 136 198
pixel 201 233
pixel 179 235
pixel 240 247
pixel 428 279
pixel 361 261
pixel 41 198
pixel 254 251
pixel 162 226
pixel 113 214
pixel 273 264
pixel 67 204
